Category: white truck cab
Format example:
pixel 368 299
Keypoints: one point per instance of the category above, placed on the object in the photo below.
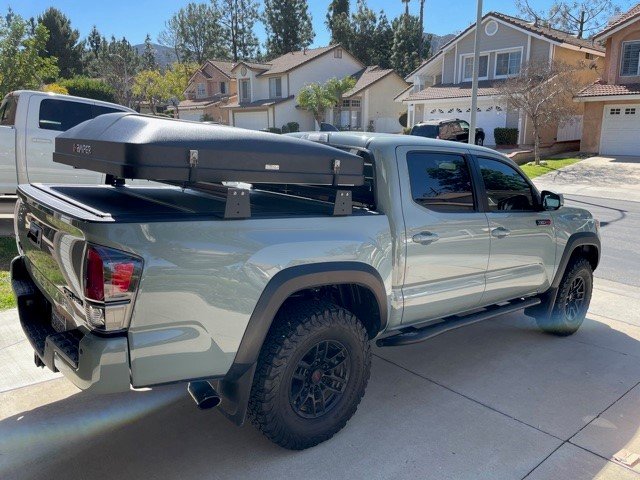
pixel 29 123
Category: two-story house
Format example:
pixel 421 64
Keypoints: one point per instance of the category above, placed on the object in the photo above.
pixel 212 86
pixel 612 103
pixel 267 92
pixel 442 84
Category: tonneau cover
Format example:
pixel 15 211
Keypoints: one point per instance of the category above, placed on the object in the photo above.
pixel 128 145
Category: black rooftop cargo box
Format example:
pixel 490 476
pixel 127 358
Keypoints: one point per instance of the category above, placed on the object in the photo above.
pixel 127 145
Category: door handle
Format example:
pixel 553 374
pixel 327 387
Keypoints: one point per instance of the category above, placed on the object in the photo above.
pixel 425 238
pixel 40 140
pixel 500 232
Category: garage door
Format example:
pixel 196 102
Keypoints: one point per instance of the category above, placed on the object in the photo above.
pixel 489 116
pixel 251 120
pixel 620 127
pixel 193 115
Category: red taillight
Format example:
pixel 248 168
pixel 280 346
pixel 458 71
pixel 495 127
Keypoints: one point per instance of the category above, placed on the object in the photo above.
pixel 121 276
pixel 94 282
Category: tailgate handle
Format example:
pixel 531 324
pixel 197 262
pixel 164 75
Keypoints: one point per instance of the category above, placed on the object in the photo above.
pixel 35 234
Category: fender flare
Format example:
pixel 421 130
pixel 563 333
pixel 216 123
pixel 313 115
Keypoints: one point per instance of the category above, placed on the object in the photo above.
pixel 575 240
pixel 235 387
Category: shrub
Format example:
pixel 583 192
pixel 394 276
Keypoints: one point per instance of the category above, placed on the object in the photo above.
pixel 274 130
pixel 55 88
pixel 285 128
pixel 403 119
pixel 293 127
pixel 406 130
pixel 89 88
pixel 506 136
pixel 206 117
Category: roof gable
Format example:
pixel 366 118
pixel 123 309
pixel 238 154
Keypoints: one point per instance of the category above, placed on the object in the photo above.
pixel 368 76
pixel 618 23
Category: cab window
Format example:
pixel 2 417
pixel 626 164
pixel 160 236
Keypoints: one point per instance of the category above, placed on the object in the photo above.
pixel 440 181
pixel 506 188
pixel 62 115
pixel 8 111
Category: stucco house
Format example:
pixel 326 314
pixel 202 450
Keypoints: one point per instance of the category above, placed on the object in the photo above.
pixel 442 84
pixel 267 92
pixel 612 103
pixel 211 87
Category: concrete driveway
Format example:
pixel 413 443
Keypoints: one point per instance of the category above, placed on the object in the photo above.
pixel 496 400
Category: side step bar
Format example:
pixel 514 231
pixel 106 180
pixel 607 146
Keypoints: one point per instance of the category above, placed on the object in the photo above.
pixel 411 335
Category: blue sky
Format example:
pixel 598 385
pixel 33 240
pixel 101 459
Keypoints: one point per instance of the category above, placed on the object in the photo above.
pixel 135 18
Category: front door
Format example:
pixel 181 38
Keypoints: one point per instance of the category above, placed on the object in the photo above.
pixel 447 237
pixel 522 236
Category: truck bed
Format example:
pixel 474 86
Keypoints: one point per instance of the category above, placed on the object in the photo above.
pixel 136 203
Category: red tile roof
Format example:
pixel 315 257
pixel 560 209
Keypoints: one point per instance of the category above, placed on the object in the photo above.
pixel 601 89
pixel 632 14
pixel 450 90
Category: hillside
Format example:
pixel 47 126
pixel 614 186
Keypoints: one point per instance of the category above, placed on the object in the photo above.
pixel 164 55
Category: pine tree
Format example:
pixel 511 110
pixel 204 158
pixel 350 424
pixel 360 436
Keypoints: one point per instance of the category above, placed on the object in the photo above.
pixel 95 40
pixel 238 18
pixel 288 25
pixel 62 42
pixel 406 38
pixel 148 57
pixel 382 42
pixel 363 27
pixel 337 22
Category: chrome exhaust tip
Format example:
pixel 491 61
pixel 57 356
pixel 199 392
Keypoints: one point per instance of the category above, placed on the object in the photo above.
pixel 203 394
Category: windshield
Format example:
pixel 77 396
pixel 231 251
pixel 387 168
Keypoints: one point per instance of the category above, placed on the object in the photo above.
pixel 430 131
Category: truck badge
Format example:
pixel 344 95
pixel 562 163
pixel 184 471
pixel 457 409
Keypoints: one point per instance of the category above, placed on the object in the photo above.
pixel 82 149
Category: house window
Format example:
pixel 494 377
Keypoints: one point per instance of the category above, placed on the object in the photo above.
pixel 589 56
pixel 345 103
pixel 491 28
pixel 337 53
pixel 614 111
pixel 508 63
pixel 223 87
pixel 630 59
pixel 483 73
pixel 629 111
pixel 275 87
pixel 245 91
pixel 201 90
pixel 355 103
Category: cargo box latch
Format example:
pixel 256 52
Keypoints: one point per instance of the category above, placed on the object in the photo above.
pixel 193 165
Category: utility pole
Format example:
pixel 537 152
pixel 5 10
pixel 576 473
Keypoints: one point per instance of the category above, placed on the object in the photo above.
pixel 476 70
pixel 421 44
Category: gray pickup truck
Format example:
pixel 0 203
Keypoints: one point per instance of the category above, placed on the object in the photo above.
pixel 266 307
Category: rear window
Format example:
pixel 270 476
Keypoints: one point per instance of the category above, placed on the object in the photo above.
pixel 100 110
pixel 430 131
pixel 62 115
pixel 8 111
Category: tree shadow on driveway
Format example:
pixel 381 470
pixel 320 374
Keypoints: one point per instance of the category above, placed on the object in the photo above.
pixel 508 397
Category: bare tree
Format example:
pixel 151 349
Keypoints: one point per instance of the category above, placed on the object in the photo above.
pixel 543 91
pixel 579 17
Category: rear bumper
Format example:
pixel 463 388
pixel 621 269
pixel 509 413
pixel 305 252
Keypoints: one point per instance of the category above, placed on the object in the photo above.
pixel 91 362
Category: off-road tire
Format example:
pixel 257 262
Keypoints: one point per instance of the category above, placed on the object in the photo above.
pixel 297 329
pixel 564 321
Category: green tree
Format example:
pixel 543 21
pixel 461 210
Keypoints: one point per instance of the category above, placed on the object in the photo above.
pixel 62 42
pixel 382 42
pixel 89 88
pixel 148 57
pixel 315 98
pixel 238 18
pixel 150 86
pixel 20 64
pixel 288 25
pixel 337 22
pixel 406 39
pixel 117 64
pixel 363 27
pixel 195 32
pixel 95 41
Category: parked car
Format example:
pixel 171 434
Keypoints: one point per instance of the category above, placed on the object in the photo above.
pixel 454 129
pixel 29 123
pixel 265 300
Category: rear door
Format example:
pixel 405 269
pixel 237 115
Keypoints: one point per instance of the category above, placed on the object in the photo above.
pixel 522 235
pixel 8 175
pixel 47 117
pixel 447 236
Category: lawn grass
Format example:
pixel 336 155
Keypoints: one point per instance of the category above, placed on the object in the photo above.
pixel 7 252
pixel 533 171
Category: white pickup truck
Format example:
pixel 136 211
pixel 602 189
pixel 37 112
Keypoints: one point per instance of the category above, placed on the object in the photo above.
pixel 29 123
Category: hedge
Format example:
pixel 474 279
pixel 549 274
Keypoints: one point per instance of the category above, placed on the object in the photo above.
pixel 506 136
pixel 89 88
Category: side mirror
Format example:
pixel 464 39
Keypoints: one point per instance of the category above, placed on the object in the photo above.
pixel 551 201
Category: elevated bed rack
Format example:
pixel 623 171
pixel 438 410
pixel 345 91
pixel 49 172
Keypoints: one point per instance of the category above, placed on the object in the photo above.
pixel 133 146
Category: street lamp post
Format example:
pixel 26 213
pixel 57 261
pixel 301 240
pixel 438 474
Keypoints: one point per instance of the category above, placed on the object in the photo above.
pixel 474 82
